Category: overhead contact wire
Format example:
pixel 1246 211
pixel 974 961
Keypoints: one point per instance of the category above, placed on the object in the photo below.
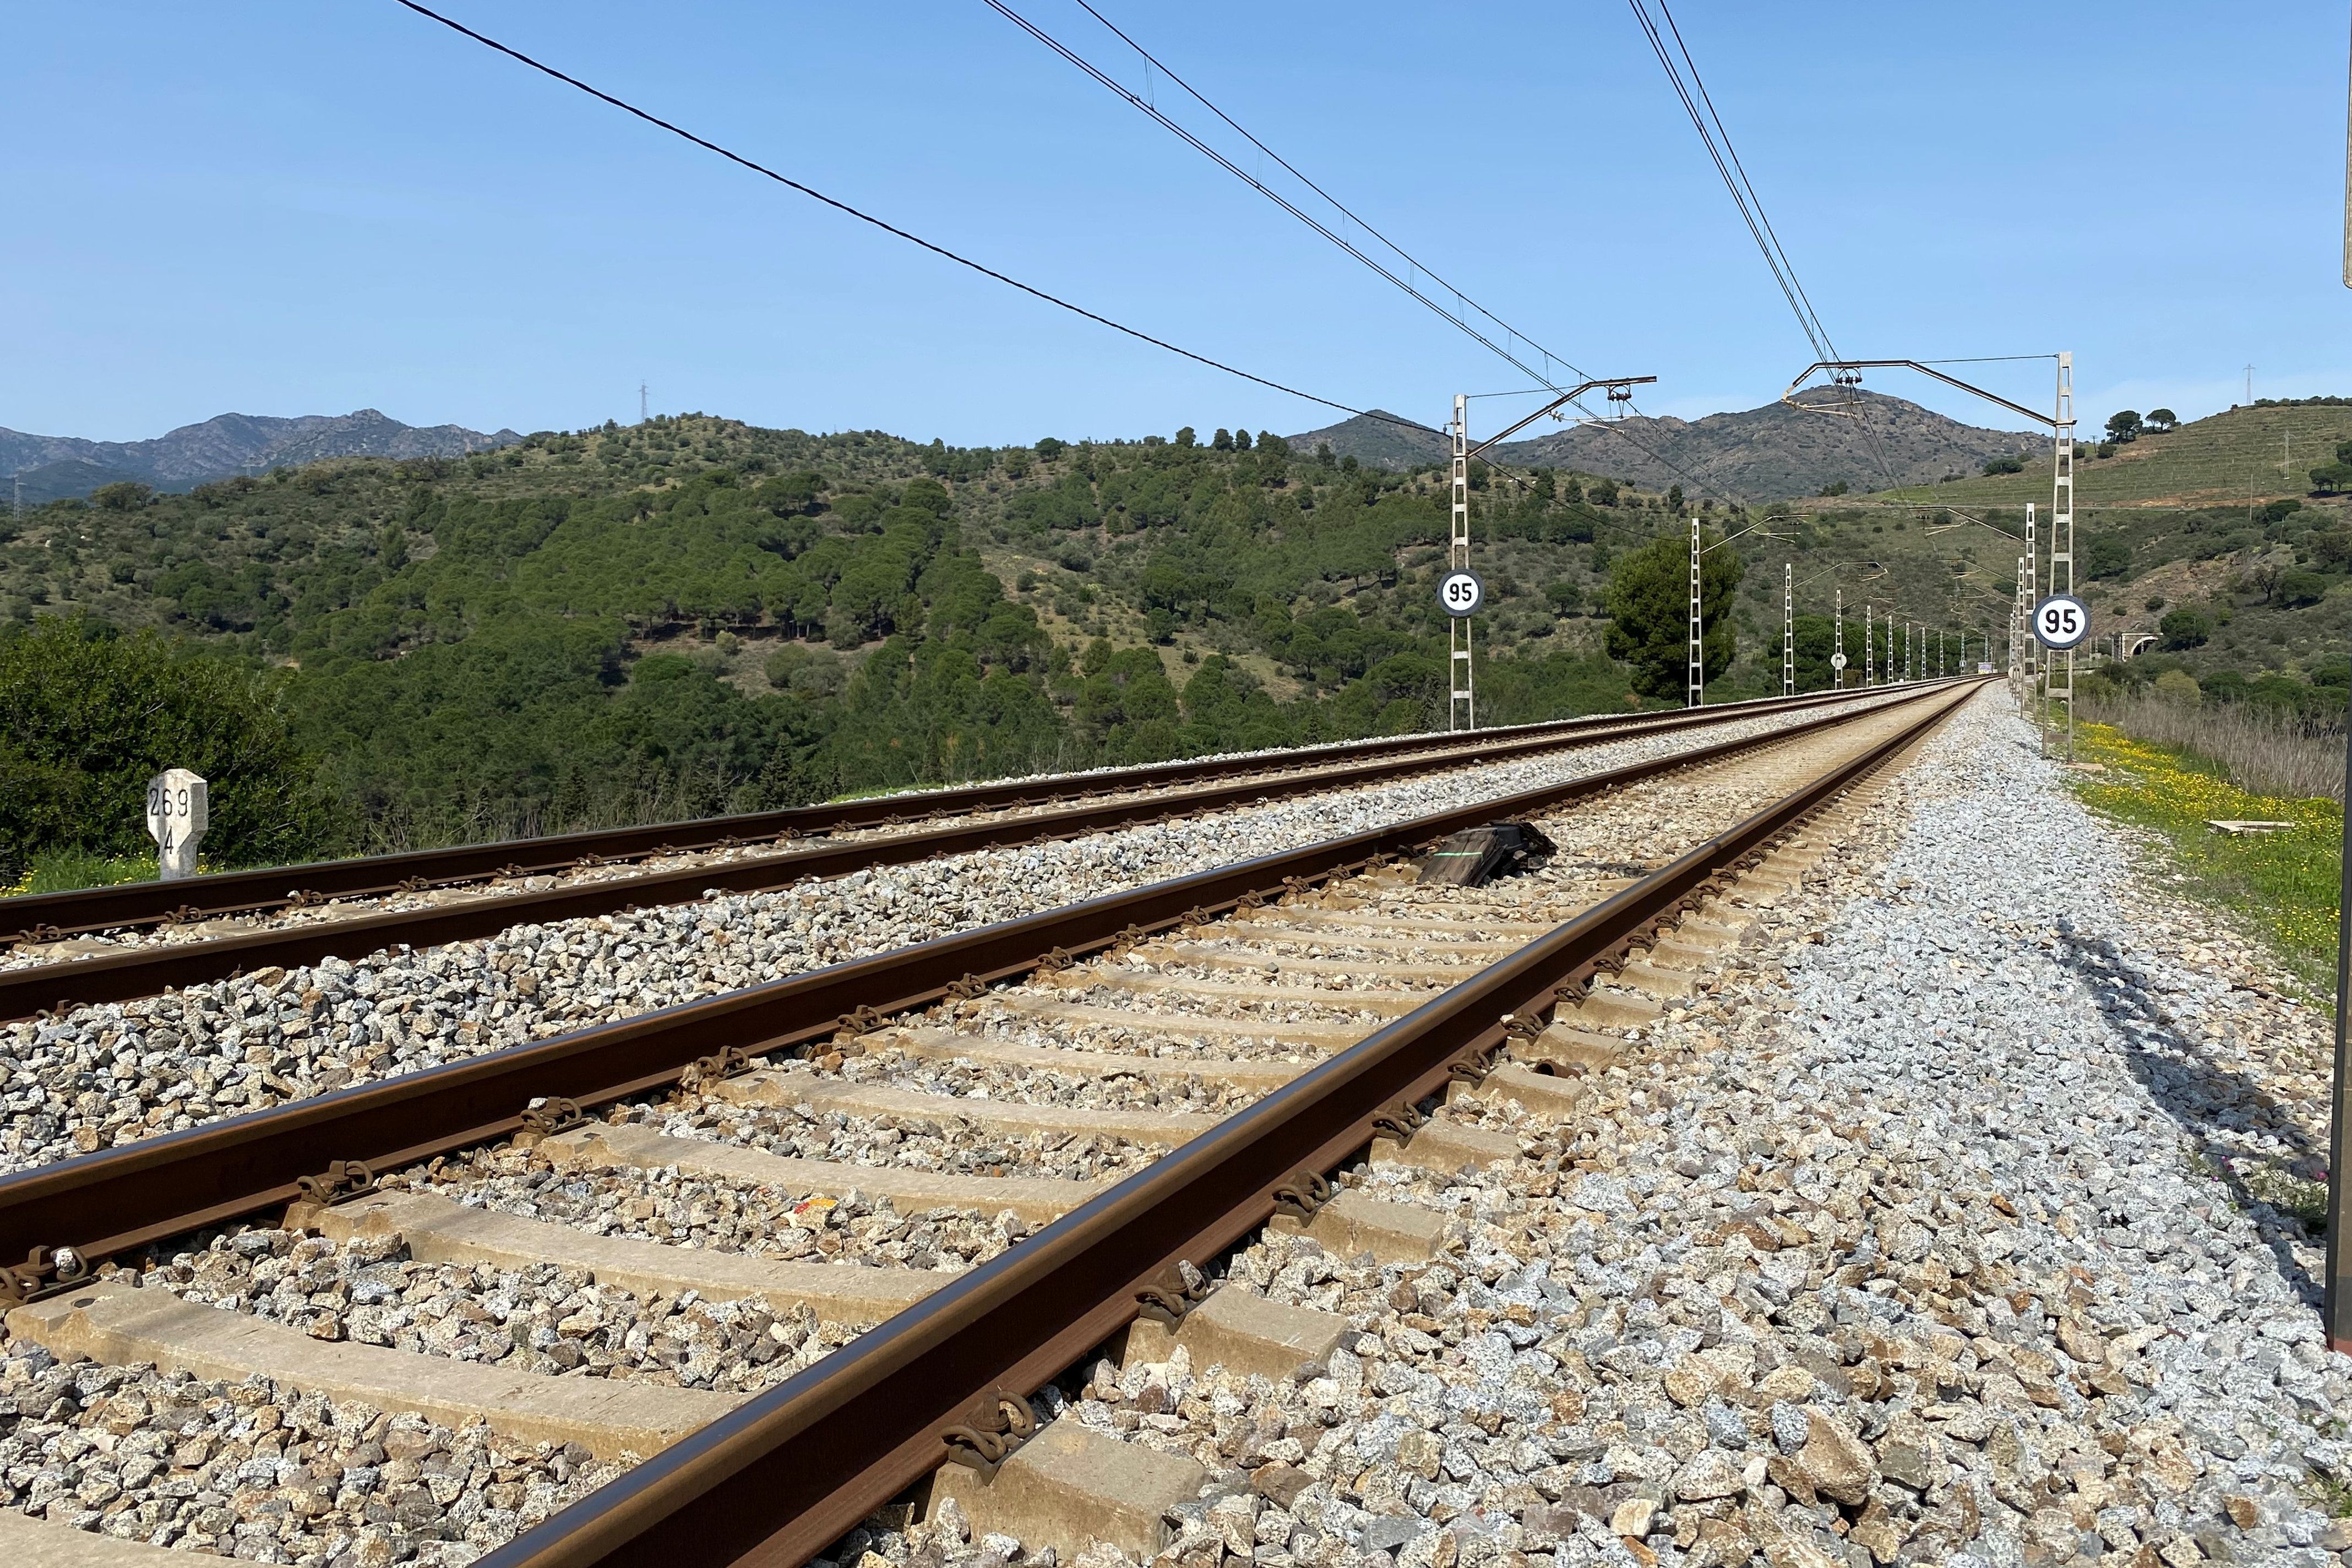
pixel 1716 139
pixel 1153 113
pixel 884 226
pixel 1174 128
pixel 1342 207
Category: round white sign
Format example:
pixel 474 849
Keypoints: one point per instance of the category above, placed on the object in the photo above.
pixel 1460 593
pixel 1837 661
pixel 2061 622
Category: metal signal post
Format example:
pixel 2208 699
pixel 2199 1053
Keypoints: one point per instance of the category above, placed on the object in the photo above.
pixel 2017 655
pixel 2062 533
pixel 1461 711
pixel 2338 1310
pixel 1697 649
pixel 2030 591
pixel 1789 629
pixel 1837 638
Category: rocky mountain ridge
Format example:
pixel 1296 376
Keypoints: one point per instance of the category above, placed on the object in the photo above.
pixel 49 467
pixel 1770 453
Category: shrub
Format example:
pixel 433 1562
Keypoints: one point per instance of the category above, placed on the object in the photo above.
pixel 67 870
pixel 2296 589
pixel 87 718
pixel 128 495
pixel 2186 628
pixel 2106 555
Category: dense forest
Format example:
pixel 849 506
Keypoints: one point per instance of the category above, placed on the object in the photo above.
pixel 692 616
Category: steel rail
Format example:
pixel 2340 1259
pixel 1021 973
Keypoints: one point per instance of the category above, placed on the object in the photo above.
pixel 36 916
pixel 119 1199
pixel 147 970
pixel 775 1480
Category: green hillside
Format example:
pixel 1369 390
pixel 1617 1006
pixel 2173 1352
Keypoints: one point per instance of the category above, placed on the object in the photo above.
pixel 693 614
pixel 2260 453
pixel 2214 537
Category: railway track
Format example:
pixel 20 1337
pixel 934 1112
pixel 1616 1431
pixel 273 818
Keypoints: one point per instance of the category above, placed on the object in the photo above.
pixel 1216 1055
pixel 299 915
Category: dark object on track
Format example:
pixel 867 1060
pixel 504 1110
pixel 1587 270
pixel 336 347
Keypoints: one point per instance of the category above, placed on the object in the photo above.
pixel 106 1204
pixel 773 1482
pixel 1474 859
pixel 48 917
pixel 148 971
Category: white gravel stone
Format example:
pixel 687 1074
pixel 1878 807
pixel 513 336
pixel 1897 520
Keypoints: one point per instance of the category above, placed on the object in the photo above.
pixel 257 1471
pixel 1933 1223
pixel 115 1073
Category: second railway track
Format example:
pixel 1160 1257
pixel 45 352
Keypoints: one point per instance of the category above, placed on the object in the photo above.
pixel 117 943
pixel 1263 1044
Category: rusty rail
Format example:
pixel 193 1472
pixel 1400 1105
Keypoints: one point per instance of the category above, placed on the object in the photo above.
pixel 145 972
pixel 88 910
pixel 119 1199
pixel 778 1479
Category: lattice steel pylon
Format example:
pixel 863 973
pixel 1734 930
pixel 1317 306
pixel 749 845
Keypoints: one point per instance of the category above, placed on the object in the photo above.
pixel 2016 638
pixel 1789 629
pixel 2028 588
pixel 1697 648
pixel 2062 534
pixel 1869 650
pixel 1461 711
pixel 1837 638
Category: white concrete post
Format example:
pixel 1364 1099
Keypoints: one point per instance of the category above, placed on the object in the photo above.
pixel 176 819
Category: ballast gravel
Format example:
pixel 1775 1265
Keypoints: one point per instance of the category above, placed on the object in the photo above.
pixel 257 1471
pixel 912 805
pixel 1942 1228
pixel 112 1074
pixel 544 1320
pixel 667 1206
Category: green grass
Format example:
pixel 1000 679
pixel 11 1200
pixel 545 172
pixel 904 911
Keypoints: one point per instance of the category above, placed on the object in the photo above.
pixel 2246 454
pixel 63 870
pixel 2291 1194
pixel 2282 885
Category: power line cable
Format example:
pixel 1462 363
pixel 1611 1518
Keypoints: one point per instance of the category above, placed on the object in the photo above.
pixel 887 227
pixel 1749 211
pixel 1152 112
pixel 1716 139
pixel 1821 331
pixel 1152 62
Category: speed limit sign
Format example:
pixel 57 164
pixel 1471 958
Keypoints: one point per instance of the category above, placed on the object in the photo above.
pixel 1837 661
pixel 1460 594
pixel 2061 621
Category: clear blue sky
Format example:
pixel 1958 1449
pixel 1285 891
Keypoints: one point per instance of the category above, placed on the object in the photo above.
pixel 278 208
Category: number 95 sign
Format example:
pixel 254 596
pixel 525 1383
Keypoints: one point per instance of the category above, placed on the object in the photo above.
pixel 2061 622
pixel 1460 593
